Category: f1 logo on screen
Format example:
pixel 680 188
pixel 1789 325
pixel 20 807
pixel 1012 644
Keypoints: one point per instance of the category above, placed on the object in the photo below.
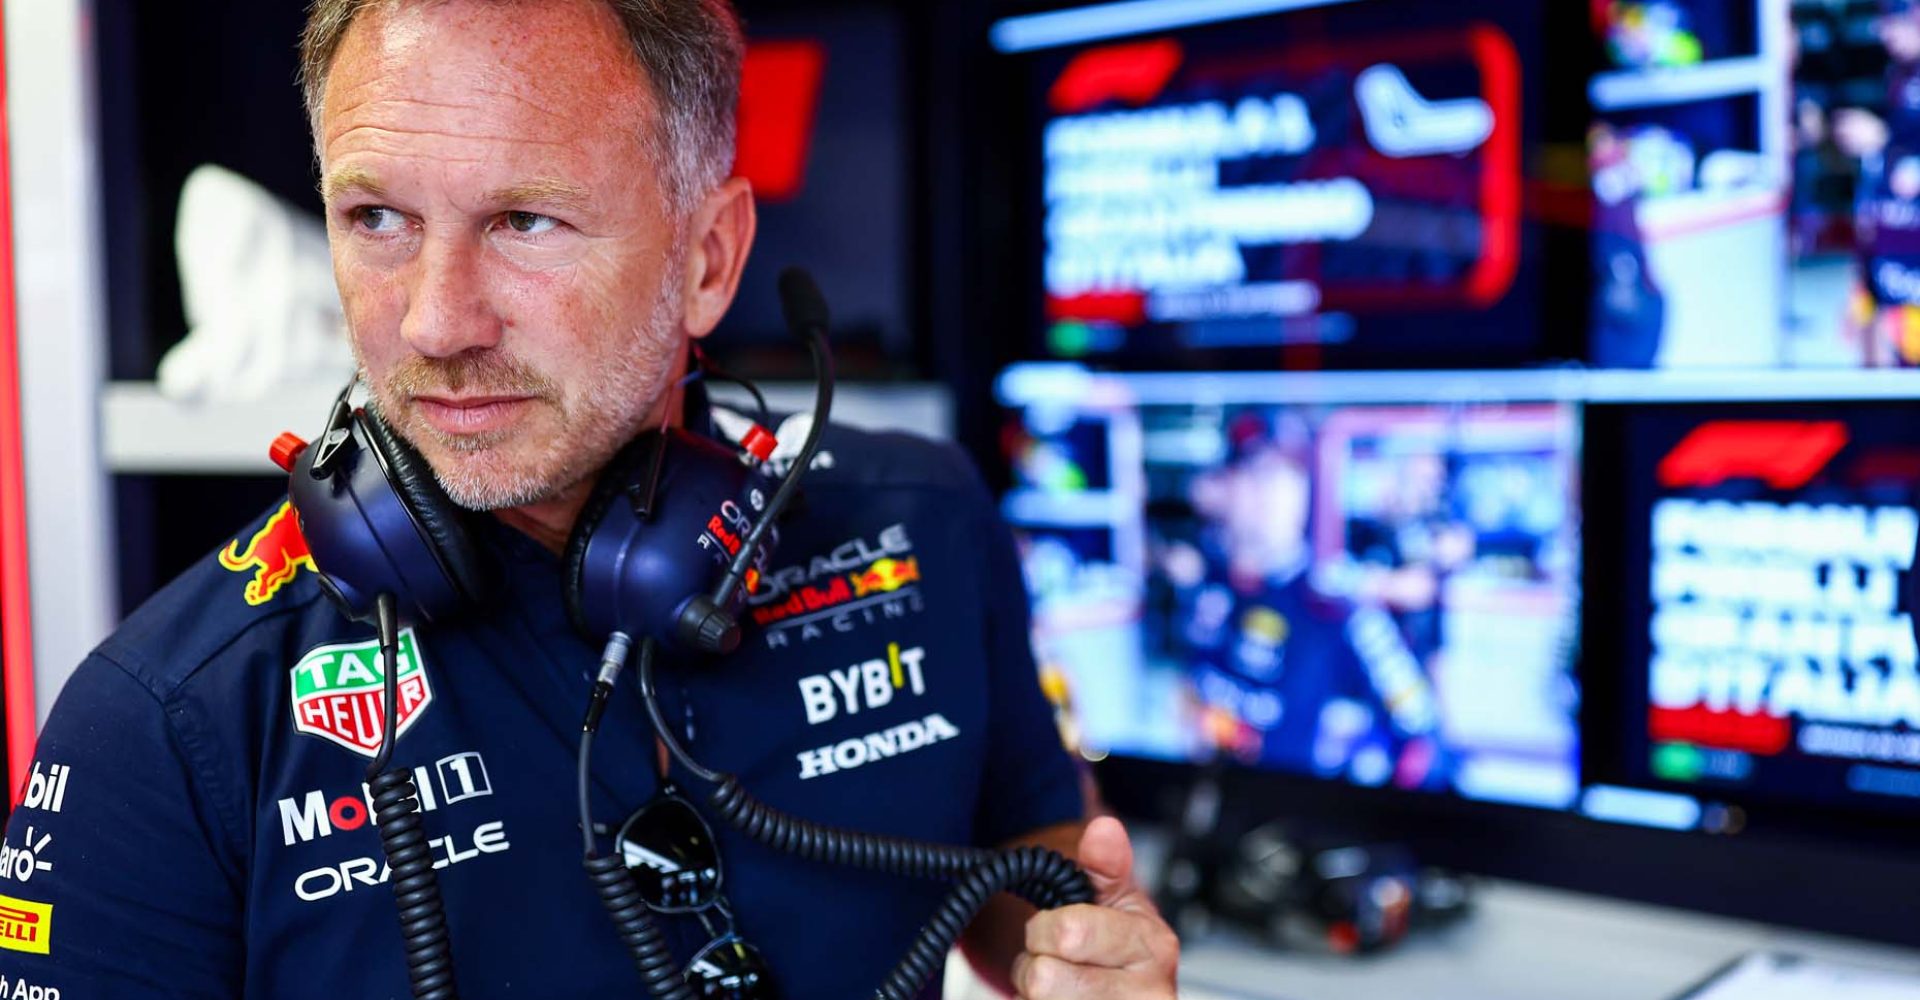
pixel 1784 454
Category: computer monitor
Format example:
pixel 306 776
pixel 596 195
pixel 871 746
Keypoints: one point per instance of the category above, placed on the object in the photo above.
pixel 1343 576
pixel 1639 633
pixel 1639 184
pixel 1756 178
pixel 1756 574
pixel 1319 183
pixel 1691 162
pixel 1628 615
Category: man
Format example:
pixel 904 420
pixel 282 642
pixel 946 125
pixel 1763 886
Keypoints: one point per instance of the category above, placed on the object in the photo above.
pixel 1628 310
pixel 530 219
pixel 1885 307
pixel 1286 676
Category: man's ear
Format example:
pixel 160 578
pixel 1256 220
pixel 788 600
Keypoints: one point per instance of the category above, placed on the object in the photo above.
pixel 720 234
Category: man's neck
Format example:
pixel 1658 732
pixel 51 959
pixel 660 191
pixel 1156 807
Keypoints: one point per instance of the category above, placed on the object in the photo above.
pixel 550 521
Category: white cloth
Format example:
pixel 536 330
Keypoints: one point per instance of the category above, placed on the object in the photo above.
pixel 256 281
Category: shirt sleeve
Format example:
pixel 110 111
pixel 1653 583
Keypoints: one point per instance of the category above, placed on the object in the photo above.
pixel 1030 780
pixel 116 882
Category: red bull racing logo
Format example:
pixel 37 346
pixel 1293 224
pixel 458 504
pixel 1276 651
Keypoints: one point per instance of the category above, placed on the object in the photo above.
pixel 858 582
pixel 882 576
pixel 274 555
pixel 886 576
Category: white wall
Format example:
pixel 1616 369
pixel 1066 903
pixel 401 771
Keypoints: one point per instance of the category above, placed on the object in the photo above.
pixel 60 284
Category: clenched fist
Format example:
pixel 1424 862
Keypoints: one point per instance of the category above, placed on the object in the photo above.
pixel 1117 948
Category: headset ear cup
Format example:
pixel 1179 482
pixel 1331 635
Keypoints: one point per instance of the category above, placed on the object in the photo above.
pixel 619 474
pixel 445 523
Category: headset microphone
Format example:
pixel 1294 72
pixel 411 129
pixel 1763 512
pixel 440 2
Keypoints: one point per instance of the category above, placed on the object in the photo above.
pixel 710 623
pixel 802 304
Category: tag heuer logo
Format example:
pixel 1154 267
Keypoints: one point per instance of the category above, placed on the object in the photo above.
pixel 337 692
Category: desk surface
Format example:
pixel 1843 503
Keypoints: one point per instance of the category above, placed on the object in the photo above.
pixel 1521 943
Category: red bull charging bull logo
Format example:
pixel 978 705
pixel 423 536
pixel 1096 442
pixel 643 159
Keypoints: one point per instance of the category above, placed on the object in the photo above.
pixel 274 555
pixel 885 576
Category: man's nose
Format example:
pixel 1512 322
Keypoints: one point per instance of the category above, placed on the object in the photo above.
pixel 447 307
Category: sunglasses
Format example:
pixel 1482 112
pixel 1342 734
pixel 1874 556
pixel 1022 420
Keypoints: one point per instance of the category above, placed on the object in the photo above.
pixel 674 860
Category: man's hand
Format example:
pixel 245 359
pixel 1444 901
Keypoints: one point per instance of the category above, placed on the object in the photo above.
pixel 1118 948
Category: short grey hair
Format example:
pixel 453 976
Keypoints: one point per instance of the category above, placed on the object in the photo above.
pixel 690 49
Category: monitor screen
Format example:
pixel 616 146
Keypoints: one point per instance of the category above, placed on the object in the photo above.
pixel 1330 576
pixel 1689 176
pixel 1325 185
pixel 1756 185
pixel 1762 653
pixel 1630 184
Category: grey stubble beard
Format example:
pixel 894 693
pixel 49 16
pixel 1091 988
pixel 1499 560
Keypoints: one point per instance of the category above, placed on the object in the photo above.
pixel 592 427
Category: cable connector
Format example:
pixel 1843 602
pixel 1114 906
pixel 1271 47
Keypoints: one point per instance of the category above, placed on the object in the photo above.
pixel 613 659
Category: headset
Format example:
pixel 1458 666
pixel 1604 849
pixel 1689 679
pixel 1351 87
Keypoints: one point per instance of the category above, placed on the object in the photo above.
pixel 660 548
pixel 675 533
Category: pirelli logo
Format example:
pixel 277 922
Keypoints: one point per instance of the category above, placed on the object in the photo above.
pixel 25 925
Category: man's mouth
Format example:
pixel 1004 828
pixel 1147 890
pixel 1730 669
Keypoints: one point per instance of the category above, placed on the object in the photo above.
pixel 466 415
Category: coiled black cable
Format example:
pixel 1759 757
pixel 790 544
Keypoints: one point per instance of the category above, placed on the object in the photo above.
pixel 396 813
pixel 638 931
pixel 1040 876
pixel 611 880
pixel 1036 874
pixel 832 845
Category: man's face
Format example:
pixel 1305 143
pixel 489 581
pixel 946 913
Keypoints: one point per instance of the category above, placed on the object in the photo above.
pixel 507 259
pixel 1266 511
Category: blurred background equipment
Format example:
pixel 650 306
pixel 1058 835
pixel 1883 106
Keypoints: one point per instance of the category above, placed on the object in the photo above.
pixel 1287 889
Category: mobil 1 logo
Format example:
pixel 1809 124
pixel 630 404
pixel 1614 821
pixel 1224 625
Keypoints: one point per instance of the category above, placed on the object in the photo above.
pixel 47 787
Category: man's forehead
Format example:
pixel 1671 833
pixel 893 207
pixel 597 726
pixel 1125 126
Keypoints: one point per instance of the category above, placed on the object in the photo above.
pixel 526 71
pixel 545 191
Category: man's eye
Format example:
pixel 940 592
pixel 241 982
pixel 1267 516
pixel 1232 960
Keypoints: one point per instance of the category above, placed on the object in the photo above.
pixel 378 219
pixel 530 223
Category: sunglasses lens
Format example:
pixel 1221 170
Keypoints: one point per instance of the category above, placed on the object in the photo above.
pixel 731 969
pixel 671 855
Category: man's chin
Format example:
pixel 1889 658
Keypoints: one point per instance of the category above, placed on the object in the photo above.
pixel 490 478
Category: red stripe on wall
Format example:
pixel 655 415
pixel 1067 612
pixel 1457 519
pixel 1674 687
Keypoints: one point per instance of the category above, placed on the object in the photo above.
pixel 16 620
pixel 779 99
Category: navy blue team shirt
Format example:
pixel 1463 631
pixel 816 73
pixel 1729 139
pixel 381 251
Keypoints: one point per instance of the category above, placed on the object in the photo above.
pixel 196 823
